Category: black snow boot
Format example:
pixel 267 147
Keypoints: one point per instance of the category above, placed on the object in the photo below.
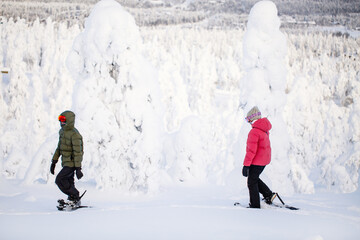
pixel 270 199
pixel 74 201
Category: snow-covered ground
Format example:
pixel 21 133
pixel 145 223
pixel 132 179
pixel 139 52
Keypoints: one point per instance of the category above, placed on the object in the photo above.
pixel 178 213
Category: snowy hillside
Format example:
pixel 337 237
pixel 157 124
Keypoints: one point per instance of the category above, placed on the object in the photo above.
pixel 163 106
pixel 161 111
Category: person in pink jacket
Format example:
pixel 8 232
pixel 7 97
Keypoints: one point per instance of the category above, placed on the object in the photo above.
pixel 258 155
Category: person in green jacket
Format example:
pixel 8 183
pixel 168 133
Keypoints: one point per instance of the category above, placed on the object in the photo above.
pixel 70 148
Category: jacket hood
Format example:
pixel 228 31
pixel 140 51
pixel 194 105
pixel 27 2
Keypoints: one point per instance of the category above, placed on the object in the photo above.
pixel 263 124
pixel 70 120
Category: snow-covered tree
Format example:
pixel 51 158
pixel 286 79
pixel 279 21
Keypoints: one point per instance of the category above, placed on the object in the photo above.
pixel 117 101
pixel 264 84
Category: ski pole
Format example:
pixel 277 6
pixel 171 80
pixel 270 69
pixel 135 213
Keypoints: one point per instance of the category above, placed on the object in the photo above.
pixel 280 199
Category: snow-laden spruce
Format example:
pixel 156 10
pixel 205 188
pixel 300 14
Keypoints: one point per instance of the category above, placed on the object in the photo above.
pixel 117 101
pixel 263 85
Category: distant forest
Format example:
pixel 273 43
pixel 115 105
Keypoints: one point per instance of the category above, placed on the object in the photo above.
pixel 222 13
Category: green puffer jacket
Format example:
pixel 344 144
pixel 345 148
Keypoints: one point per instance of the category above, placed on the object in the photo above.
pixel 70 145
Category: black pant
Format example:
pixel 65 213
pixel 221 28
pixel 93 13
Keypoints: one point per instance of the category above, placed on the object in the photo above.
pixel 255 186
pixel 66 183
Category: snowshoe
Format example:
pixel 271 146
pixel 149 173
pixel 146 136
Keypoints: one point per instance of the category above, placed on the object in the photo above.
pixel 71 204
pixel 270 201
pixel 62 204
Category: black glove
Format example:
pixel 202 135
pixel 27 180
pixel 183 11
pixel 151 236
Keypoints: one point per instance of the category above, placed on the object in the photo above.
pixel 245 171
pixel 52 167
pixel 79 173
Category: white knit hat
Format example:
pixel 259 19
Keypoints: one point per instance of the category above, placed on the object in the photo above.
pixel 253 114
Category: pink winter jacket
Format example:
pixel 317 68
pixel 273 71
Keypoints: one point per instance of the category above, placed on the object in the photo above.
pixel 258 149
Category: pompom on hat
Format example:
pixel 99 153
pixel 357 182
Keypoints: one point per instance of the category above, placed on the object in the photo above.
pixel 253 114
